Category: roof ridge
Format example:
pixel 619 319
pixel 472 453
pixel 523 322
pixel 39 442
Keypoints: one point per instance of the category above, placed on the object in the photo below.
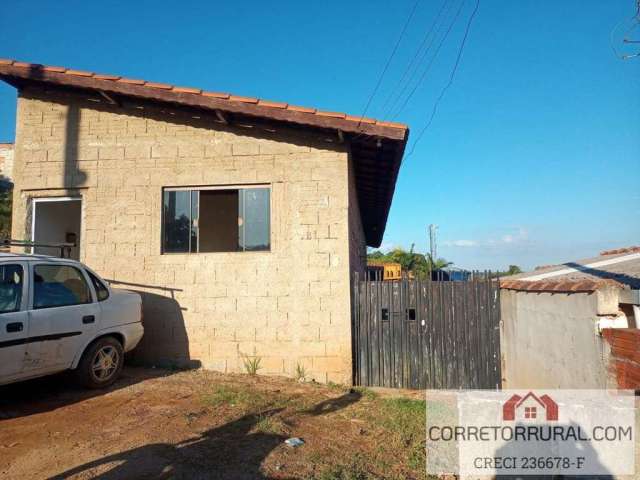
pixel 197 91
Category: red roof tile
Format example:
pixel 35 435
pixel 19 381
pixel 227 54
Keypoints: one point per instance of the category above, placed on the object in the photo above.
pixel 239 98
pixel 54 69
pixel 618 251
pixel 267 103
pixel 196 91
pixel 132 81
pixel 558 286
pixel 162 86
pixel 187 90
pixel 215 94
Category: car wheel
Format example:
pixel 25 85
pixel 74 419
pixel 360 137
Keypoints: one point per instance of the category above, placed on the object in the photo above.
pixel 101 363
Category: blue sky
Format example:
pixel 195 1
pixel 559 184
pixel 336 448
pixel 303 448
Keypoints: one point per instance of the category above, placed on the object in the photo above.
pixel 533 156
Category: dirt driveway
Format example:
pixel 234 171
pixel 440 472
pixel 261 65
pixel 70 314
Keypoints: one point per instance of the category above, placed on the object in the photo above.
pixel 197 424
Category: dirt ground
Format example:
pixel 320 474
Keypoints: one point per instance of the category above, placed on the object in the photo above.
pixel 169 424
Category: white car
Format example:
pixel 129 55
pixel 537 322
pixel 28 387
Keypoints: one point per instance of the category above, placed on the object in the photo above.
pixel 56 314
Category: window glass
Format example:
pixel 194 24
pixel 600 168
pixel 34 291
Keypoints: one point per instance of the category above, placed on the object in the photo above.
pixel 195 200
pixel 11 279
pixel 58 286
pixel 177 221
pixel 101 290
pixel 216 220
pixel 254 219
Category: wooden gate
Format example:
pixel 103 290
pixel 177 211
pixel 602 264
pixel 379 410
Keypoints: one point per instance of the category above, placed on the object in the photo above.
pixel 427 334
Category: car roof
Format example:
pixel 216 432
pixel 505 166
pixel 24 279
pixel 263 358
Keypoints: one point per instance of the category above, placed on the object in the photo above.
pixel 25 257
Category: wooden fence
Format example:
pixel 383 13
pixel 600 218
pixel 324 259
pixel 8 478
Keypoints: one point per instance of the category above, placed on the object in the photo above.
pixel 427 334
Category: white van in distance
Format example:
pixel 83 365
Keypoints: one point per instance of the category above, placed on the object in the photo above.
pixel 56 314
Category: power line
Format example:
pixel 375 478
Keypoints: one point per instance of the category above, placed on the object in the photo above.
pixel 395 49
pixel 636 21
pixel 453 74
pixel 413 60
pixel 424 74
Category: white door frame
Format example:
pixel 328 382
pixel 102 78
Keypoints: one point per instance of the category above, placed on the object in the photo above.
pixel 35 201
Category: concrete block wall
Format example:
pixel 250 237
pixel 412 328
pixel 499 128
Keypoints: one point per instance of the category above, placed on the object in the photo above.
pixel 288 306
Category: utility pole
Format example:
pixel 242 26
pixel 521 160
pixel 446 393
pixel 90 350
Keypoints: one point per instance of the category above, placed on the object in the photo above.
pixel 433 247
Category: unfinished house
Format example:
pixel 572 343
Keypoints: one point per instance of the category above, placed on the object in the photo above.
pixel 239 220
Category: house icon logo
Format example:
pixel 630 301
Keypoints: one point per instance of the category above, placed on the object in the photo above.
pixel 529 407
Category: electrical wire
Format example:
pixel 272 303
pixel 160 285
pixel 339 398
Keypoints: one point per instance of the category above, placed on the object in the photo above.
pixel 450 82
pixel 386 67
pixel 636 21
pixel 412 63
pixel 430 64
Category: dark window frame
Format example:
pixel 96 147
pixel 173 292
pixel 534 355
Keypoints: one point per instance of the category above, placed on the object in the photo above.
pixel 191 190
pixel 20 301
pixel 96 282
pixel 32 284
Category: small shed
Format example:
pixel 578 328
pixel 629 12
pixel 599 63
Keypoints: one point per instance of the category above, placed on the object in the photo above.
pixel 553 319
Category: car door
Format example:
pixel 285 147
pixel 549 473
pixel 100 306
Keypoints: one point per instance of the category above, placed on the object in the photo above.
pixel 13 319
pixel 62 318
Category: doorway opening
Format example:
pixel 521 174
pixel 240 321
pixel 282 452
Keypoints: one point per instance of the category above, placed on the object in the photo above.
pixel 56 220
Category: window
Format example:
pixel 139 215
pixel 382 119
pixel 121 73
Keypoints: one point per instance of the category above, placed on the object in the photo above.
pixel 101 290
pixel 59 286
pixel 216 220
pixel 11 279
pixel 530 412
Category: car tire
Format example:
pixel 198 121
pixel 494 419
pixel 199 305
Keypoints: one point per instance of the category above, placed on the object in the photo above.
pixel 101 363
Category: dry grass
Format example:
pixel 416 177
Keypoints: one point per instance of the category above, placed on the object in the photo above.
pixel 188 423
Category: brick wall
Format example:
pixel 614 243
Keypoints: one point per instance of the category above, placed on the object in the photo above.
pixel 624 357
pixel 288 306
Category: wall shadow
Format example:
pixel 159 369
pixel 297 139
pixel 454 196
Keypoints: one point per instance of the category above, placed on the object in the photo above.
pixel 49 393
pixel 165 342
pixel 629 280
pixel 235 450
pixel 335 404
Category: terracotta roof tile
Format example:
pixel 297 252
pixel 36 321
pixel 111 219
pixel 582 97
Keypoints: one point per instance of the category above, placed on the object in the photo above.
pixel 215 94
pixel 239 98
pixel 132 81
pixel 617 251
pixel 233 98
pixel 101 76
pixel 51 68
pixel 161 86
pixel 391 124
pixel 555 286
pixel 297 108
pixel 331 114
pixel 354 118
pixel 270 104
pixel 26 64
pixel 187 90
pixel 80 73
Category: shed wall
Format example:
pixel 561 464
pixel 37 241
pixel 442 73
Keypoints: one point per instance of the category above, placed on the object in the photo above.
pixel 548 340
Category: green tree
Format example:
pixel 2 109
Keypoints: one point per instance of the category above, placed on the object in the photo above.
pixel 513 270
pixel 6 195
pixel 417 263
